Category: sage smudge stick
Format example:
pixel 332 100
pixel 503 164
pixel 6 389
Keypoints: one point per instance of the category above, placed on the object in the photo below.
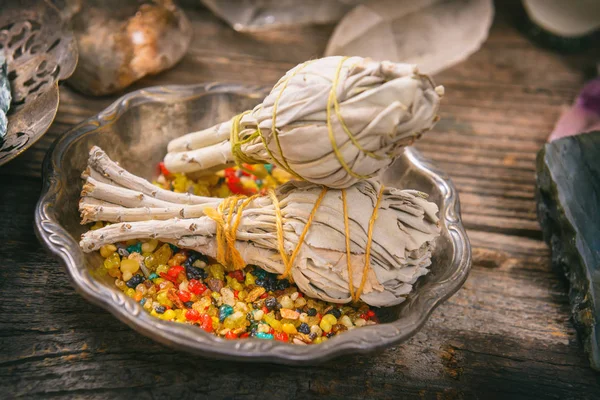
pixel 365 242
pixel 332 121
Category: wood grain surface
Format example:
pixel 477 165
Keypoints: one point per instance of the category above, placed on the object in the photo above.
pixel 505 334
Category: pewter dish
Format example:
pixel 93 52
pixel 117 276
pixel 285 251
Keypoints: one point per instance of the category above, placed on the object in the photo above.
pixel 135 131
pixel 40 51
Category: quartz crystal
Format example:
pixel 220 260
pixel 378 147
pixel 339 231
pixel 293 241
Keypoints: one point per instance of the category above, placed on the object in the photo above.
pixel 125 40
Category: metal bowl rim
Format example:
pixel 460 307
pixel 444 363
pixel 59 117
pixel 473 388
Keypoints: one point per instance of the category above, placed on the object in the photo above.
pixel 184 337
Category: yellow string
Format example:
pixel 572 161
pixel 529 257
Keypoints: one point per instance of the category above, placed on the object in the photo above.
pixel 274 132
pixel 233 229
pixel 279 225
pixel 334 146
pixel 309 221
pixel 233 256
pixel 238 217
pixel 227 253
pixel 368 248
pixel 347 229
pixel 217 216
pixel 240 157
pixel 336 106
pixel 236 143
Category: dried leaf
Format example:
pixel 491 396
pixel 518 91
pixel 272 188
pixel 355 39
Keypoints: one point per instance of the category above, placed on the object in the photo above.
pixel 434 34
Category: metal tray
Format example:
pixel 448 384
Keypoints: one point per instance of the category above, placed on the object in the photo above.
pixel 135 131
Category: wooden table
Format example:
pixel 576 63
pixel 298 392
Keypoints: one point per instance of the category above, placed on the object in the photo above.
pixel 506 333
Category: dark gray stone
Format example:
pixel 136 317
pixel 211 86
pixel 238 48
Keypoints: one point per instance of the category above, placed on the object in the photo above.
pixel 568 195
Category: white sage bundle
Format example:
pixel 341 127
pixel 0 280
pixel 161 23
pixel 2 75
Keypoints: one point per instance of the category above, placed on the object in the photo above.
pixel 331 121
pixel 365 242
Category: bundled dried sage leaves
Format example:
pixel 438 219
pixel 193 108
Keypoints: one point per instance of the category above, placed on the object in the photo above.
pixel 332 121
pixel 301 229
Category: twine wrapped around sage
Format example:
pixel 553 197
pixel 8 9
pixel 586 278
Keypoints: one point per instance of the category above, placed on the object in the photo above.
pixel 365 242
pixel 332 121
